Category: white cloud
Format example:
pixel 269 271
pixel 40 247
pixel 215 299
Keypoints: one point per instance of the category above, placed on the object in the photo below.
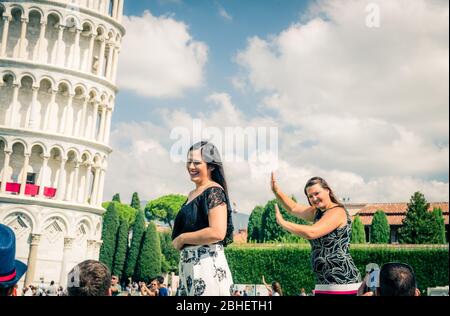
pixel 224 14
pixel 141 162
pixel 159 58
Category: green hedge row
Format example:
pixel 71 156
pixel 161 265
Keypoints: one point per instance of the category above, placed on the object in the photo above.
pixel 291 264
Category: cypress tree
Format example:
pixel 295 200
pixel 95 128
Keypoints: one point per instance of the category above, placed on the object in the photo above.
pixel 254 227
pixel 135 202
pixel 380 231
pixel 121 248
pixel 149 262
pixel 135 247
pixel 437 212
pixel 109 233
pixel 358 232
pixel 116 198
pixel 419 226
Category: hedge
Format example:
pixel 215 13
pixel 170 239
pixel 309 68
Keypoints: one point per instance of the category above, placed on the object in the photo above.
pixel 291 264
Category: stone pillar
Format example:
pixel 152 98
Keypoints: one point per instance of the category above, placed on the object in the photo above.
pixel 90 249
pixel 101 62
pixel 41 40
pixel 74 183
pixel 81 132
pixel 31 115
pixel 6 20
pixel 68 244
pixel 108 126
pixel 97 247
pixel 115 8
pixel 49 111
pixel 68 119
pixel 115 64
pixel 42 177
pixel 59 45
pixel 76 46
pixel 109 66
pixel 12 114
pixel 94 195
pixel 95 119
pixel 91 53
pixel 61 177
pixel 32 259
pixel 101 187
pixel 23 181
pixel 87 184
pixel 120 13
pixel 101 133
pixel 5 171
pixel 23 33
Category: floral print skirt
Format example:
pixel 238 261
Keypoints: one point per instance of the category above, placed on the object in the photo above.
pixel 204 271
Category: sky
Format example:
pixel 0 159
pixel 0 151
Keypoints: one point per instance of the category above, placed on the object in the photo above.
pixel 357 92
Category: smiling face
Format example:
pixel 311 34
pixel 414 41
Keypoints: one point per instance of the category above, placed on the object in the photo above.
pixel 197 168
pixel 318 196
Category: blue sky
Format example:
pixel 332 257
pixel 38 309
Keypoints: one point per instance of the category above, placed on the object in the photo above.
pixel 357 89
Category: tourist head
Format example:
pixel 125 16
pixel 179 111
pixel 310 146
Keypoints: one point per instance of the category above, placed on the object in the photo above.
pixel 89 278
pixel 11 270
pixel 319 193
pixel 114 280
pixel 397 279
pixel 276 287
pixel 160 280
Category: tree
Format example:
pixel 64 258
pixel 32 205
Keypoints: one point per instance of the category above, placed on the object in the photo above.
pixel 358 232
pixel 135 247
pixel 125 211
pixel 135 202
pixel 149 262
pixel 380 232
pixel 121 248
pixel 165 208
pixel 437 212
pixel 420 225
pixel 254 227
pixel 170 256
pixel 271 231
pixel 116 198
pixel 109 233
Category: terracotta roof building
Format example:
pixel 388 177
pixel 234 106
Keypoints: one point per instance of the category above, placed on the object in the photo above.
pixel 395 213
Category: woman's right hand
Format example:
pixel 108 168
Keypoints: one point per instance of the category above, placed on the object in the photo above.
pixel 273 184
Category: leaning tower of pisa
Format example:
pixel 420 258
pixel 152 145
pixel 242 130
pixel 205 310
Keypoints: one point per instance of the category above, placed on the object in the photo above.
pixel 58 67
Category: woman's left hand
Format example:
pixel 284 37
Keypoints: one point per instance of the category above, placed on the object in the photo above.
pixel 278 216
pixel 178 242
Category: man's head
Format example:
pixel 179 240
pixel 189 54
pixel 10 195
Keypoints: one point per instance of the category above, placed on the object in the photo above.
pixel 11 270
pixel 89 278
pixel 114 280
pixel 397 279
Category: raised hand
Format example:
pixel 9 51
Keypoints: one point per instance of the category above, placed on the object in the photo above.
pixel 278 215
pixel 273 184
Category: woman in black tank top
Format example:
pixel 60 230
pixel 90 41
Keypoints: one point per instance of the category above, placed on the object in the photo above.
pixel 329 235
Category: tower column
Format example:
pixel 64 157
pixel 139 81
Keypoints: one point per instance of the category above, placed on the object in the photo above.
pixel 6 20
pixel 12 115
pixel 59 45
pixel 41 40
pixel 42 177
pixel 101 61
pixel 90 64
pixel 30 121
pixel 94 120
pixel 109 67
pixel 49 111
pixel 23 33
pixel 108 126
pixel 82 126
pixel 87 184
pixel 5 171
pixel 61 177
pixel 96 185
pixel 73 56
pixel 68 244
pixel 32 259
pixel 23 181
pixel 102 125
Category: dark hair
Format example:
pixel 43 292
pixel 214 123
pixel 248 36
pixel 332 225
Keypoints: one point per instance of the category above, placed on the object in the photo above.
pixel 397 279
pixel 160 279
pixel 317 180
pixel 94 279
pixel 277 288
pixel 6 291
pixel 211 157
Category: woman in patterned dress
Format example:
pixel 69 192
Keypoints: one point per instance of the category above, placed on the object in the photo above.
pixel 203 227
pixel 329 235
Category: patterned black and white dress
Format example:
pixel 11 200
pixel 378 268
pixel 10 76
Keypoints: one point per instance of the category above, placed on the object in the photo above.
pixel 203 269
pixel 335 271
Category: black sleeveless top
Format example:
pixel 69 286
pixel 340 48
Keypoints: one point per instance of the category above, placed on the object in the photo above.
pixel 193 217
pixel 331 260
